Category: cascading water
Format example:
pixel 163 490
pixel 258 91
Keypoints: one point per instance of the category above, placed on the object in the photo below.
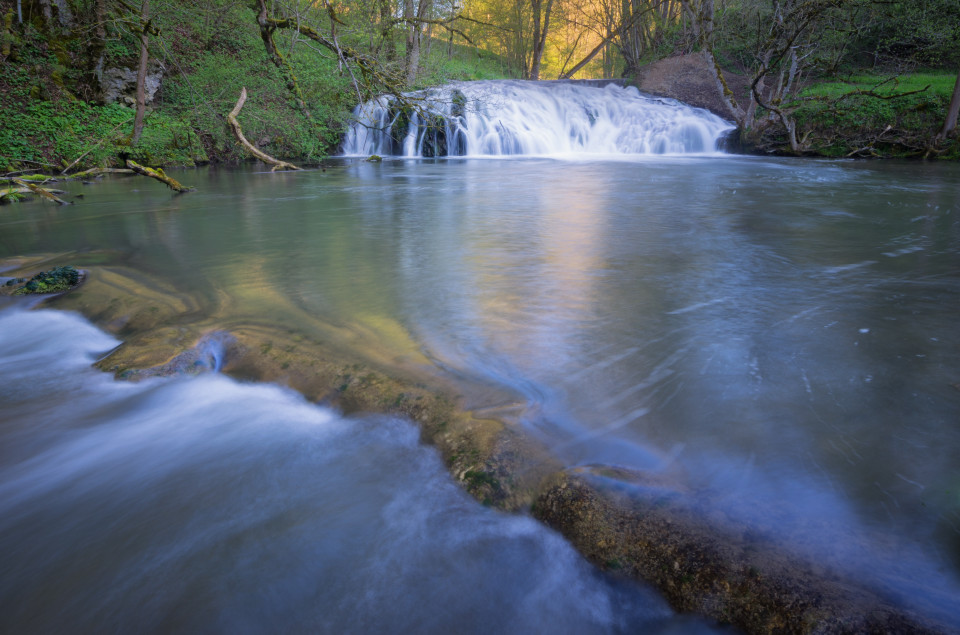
pixel 495 118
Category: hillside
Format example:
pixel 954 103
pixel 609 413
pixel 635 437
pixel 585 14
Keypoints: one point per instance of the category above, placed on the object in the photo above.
pixel 70 99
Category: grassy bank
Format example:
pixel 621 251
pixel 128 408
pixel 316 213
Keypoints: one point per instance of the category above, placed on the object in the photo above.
pixel 876 115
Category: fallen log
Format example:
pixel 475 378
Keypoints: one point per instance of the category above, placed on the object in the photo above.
pixel 159 175
pixel 238 133
pixel 40 191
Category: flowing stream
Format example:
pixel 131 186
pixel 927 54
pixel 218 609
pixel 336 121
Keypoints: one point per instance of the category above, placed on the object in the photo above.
pixel 206 505
pixel 777 336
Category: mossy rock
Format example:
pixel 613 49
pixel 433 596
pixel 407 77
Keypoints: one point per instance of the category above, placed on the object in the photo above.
pixel 57 279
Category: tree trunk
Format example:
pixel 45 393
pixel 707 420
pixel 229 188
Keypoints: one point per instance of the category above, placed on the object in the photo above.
pixel 541 25
pixel 412 58
pixel 141 73
pixel 950 123
pixel 96 47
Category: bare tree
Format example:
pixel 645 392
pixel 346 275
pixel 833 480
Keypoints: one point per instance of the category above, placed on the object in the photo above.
pixel 787 41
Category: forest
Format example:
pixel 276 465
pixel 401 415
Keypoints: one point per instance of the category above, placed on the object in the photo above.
pixel 88 83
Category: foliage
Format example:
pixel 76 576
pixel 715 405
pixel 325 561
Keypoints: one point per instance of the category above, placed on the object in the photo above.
pixel 208 51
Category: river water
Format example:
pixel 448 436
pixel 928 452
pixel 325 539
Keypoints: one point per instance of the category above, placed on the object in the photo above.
pixel 781 334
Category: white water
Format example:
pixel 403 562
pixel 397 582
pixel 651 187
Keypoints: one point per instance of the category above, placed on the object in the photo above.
pixel 495 118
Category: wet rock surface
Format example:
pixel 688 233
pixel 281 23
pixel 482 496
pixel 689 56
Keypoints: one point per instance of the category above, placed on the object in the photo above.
pixel 716 568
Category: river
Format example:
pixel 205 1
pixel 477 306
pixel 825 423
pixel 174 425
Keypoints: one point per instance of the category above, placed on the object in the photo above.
pixel 782 334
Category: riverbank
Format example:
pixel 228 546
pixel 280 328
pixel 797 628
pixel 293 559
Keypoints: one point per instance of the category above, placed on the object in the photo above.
pixel 622 521
pixel 862 116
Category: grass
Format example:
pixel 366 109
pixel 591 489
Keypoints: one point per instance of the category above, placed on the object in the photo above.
pixel 940 84
pixel 894 115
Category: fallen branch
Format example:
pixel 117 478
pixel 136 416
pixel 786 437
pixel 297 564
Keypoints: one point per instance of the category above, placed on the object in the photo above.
pixel 238 133
pixel 158 175
pixel 45 178
pixel 94 172
pixel 39 191
pixel 25 190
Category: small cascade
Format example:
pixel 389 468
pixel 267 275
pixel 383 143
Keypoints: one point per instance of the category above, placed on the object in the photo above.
pixel 507 117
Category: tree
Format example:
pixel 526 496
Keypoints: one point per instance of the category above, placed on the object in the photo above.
pixel 142 72
pixel 953 110
pixel 541 27
pixel 789 34
pixel 416 14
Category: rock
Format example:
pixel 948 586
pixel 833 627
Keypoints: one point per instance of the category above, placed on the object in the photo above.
pixel 709 564
pixel 119 84
pixel 57 279
pixel 458 106
pixel 689 78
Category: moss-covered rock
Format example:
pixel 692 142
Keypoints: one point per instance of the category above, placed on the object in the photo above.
pixel 57 279
pixel 707 563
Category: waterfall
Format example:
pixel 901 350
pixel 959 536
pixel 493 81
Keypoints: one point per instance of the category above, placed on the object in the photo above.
pixel 507 117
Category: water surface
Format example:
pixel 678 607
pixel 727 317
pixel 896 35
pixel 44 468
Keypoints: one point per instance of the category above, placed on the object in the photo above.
pixel 780 335
pixel 207 505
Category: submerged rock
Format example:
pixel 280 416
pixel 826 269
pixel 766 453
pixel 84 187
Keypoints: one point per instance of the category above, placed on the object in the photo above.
pixel 714 567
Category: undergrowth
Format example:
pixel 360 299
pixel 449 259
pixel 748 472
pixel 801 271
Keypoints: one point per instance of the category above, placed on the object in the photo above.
pixel 889 116
pixel 209 52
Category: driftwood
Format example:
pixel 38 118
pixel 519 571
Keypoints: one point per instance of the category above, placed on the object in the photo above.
pixel 158 175
pixel 238 133
pixel 39 191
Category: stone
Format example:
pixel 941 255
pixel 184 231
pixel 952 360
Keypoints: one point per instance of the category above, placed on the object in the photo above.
pixel 119 84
